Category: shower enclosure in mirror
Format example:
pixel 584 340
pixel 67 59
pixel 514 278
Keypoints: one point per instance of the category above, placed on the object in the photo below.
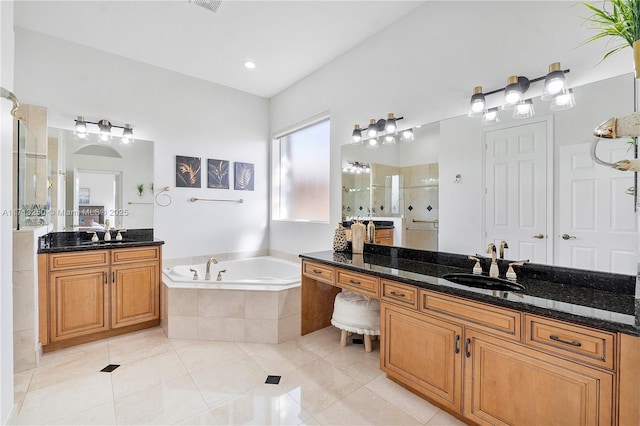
pixel 32 179
pixel 94 182
pixel 400 182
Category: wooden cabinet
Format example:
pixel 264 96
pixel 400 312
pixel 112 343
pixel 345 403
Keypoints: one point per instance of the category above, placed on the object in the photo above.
pixel 424 353
pixel 381 236
pixel 487 364
pixel 78 303
pixel 88 295
pixel 510 384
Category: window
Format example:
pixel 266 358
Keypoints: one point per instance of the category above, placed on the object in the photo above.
pixel 301 173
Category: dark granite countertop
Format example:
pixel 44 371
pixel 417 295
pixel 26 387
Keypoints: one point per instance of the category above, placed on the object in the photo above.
pixel 597 299
pixel 379 224
pixel 59 242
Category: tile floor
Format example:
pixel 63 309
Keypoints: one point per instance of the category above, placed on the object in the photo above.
pixel 188 382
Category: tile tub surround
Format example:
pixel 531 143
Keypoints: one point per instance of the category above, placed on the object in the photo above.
pixel 56 242
pixel 231 315
pixel 596 299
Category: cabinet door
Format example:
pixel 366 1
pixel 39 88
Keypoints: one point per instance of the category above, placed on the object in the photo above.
pixel 135 294
pixel 508 384
pixel 78 303
pixel 424 353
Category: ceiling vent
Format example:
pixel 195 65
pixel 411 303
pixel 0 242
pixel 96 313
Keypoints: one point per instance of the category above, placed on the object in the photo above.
pixel 212 5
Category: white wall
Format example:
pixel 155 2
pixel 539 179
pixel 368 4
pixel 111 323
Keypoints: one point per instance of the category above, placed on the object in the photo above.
pixel 182 115
pixel 6 177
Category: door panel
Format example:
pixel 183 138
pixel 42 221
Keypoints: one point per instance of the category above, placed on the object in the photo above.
pixel 595 212
pixel 134 294
pixel 516 190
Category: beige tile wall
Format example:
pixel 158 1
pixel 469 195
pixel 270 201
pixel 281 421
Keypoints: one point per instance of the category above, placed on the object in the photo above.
pixel 232 315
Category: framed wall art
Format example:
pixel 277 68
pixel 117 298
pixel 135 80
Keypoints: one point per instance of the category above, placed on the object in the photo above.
pixel 217 174
pixel 244 177
pixel 188 172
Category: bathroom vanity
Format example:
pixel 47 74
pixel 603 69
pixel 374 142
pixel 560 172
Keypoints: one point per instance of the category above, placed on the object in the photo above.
pixel 92 290
pixel 566 350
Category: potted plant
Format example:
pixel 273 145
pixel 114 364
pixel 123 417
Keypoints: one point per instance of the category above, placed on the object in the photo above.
pixel 140 187
pixel 621 22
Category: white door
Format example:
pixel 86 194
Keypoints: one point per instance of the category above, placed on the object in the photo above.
pixel 597 227
pixel 516 199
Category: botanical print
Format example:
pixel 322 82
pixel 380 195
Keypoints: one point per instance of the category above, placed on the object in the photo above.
pixel 217 174
pixel 243 176
pixel 187 172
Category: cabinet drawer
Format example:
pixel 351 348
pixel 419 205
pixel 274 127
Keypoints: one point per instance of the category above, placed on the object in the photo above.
pixel 318 272
pixel 61 261
pixel 360 283
pixel 399 294
pixel 570 341
pixel 500 322
pixel 137 254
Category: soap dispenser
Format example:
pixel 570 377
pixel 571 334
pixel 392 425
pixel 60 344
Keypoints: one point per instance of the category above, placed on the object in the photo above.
pixel 107 234
pixel 358 231
pixel 371 231
pixel 493 270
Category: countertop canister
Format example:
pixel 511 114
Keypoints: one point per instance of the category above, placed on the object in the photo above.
pixel 358 233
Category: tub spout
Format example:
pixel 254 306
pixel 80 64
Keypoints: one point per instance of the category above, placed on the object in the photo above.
pixel 220 274
pixel 207 272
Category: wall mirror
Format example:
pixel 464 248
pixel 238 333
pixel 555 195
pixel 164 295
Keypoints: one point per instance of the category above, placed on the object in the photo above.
pixel 92 182
pixel 573 207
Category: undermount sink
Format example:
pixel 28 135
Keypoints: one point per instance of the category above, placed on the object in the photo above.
pixel 483 281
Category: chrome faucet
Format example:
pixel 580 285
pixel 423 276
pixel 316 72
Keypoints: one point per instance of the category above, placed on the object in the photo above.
pixel 503 245
pixel 207 272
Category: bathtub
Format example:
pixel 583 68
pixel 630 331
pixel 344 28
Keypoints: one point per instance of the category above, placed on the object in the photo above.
pixel 265 273
pixel 256 301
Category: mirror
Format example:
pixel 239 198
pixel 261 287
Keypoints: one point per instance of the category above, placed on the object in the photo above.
pixel 92 182
pixel 569 130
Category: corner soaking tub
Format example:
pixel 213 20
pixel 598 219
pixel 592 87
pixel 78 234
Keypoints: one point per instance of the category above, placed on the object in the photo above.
pixel 257 300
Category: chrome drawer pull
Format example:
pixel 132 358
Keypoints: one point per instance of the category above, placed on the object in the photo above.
pixel 566 342
pixel 354 282
pixel 393 293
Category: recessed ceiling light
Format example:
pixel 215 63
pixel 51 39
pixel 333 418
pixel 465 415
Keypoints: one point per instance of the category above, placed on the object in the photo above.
pixel 249 64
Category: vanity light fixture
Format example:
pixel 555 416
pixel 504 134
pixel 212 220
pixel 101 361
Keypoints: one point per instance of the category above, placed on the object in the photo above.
pixel 105 135
pixel 523 110
pixel 80 129
pixel 356 167
pixel 356 135
pixel 407 134
pixel 563 101
pixel 382 128
pixel 491 116
pixel 372 130
pixel 555 90
pixel 478 103
pixel 554 83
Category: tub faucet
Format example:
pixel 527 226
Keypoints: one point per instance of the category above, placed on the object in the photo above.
pixel 220 274
pixel 207 272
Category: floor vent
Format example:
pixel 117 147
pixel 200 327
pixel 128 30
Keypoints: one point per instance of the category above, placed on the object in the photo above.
pixel 109 368
pixel 212 5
